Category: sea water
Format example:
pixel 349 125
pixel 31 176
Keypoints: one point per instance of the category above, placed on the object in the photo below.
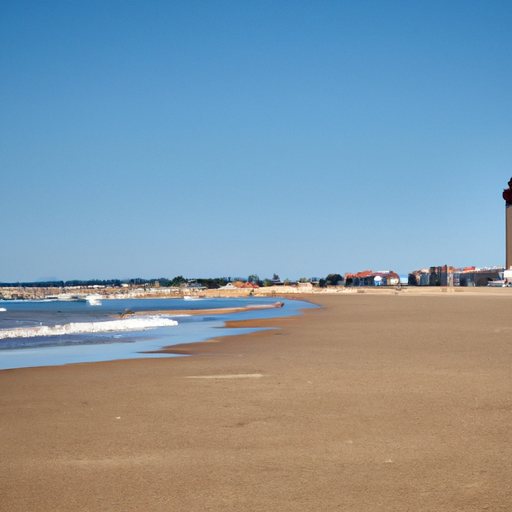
pixel 49 333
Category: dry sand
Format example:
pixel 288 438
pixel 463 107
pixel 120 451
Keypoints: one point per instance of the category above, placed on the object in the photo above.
pixel 375 403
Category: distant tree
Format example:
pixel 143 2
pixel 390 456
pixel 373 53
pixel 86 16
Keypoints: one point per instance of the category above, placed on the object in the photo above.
pixel 267 282
pixel 322 283
pixel 178 280
pixel 287 281
pixel 303 280
pixel 333 279
pixel 253 278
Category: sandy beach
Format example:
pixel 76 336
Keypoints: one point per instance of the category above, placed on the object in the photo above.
pixel 376 402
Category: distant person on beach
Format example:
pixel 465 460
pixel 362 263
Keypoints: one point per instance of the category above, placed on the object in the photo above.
pixel 507 193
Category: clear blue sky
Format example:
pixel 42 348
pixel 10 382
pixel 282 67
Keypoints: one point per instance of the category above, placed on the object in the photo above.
pixel 157 138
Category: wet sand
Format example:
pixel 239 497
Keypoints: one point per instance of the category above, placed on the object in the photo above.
pixel 377 402
pixel 197 312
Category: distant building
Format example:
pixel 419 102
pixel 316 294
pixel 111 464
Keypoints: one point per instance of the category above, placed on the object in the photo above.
pixel 477 277
pixel 276 281
pixel 370 278
pixel 243 285
pixel 450 276
pixel 229 286
pixel 192 285
pixel 249 285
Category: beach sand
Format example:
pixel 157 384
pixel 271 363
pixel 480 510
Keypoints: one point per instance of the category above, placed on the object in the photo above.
pixel 377 402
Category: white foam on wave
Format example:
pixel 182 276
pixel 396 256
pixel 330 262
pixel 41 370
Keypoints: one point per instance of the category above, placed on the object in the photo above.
pixel 126 324
pixel 3 309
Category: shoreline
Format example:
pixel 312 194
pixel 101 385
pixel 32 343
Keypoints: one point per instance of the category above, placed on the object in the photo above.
pixel 138 346
pixel 263 326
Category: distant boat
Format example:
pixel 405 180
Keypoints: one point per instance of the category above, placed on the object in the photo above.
pixel 191 297
pixel 93 300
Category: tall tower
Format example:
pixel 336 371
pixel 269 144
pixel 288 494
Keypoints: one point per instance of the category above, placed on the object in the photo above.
pixel 508 214
pixel 507 195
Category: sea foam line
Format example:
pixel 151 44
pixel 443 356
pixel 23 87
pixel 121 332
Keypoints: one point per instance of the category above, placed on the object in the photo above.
pixel 127 324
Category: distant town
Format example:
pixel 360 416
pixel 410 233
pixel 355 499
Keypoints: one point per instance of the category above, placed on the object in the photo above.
pixel 180 286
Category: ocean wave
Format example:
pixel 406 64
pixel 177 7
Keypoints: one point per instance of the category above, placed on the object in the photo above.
pixel 126 324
